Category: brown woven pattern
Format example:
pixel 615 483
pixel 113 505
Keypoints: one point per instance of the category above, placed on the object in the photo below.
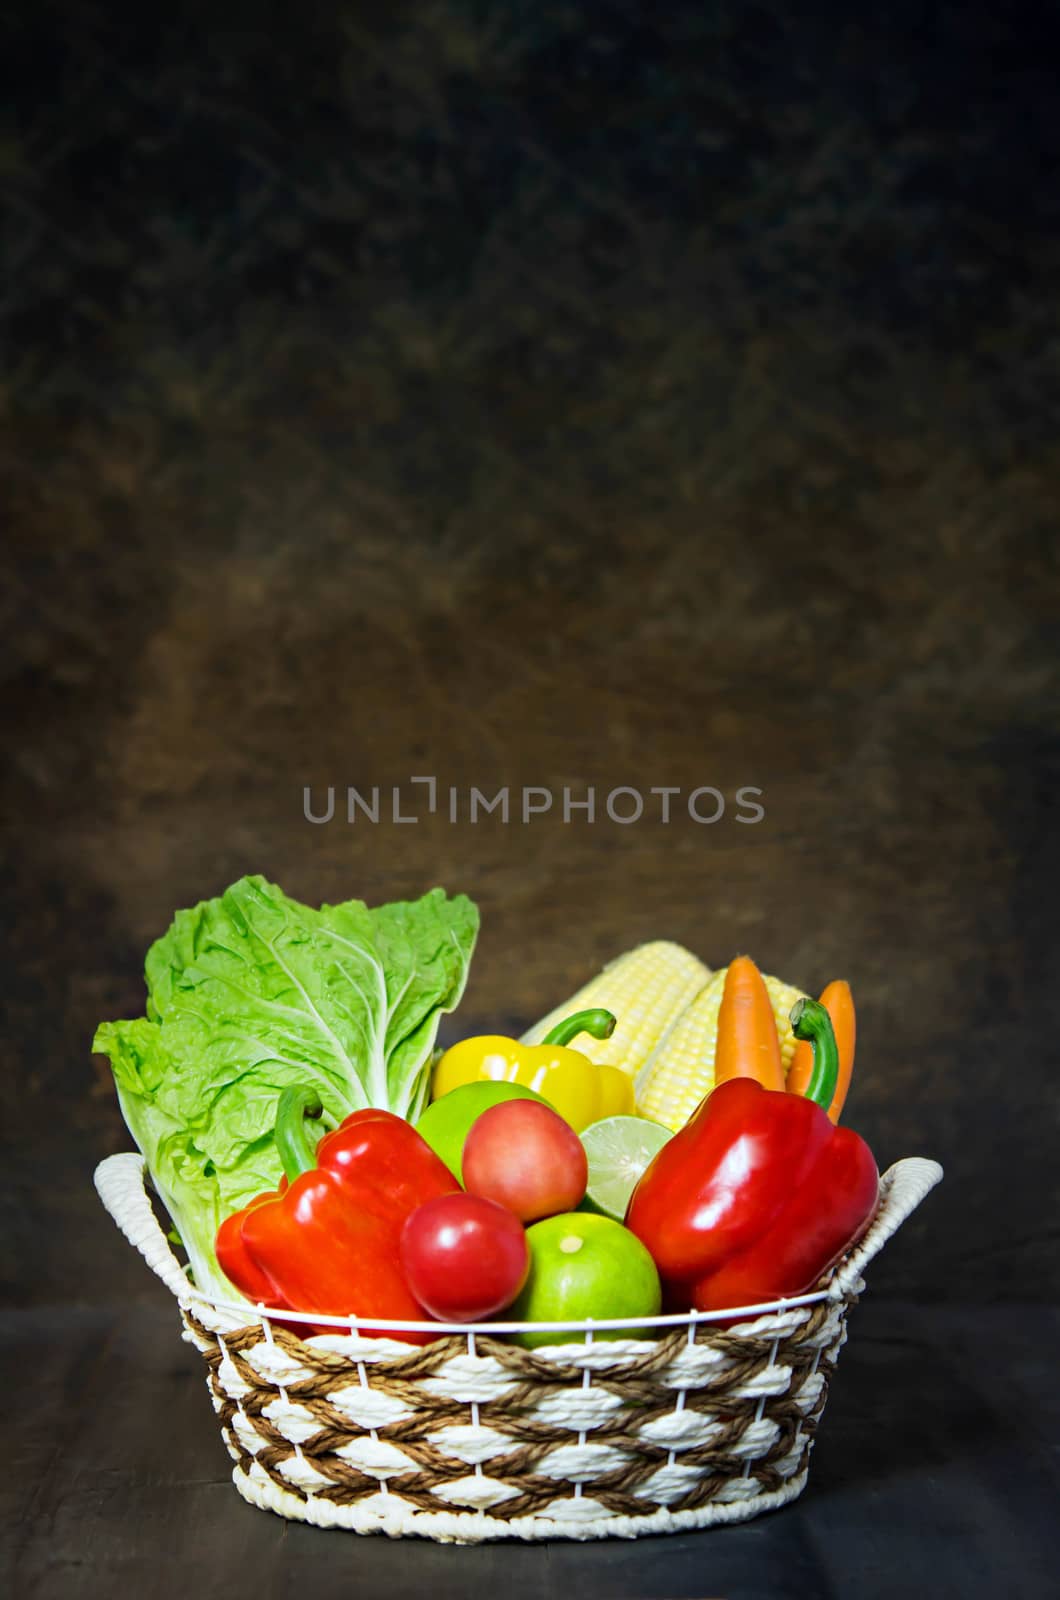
pixel 642 1384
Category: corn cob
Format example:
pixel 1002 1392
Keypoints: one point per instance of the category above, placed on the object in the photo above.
pixel 646 989
pixel 680 1070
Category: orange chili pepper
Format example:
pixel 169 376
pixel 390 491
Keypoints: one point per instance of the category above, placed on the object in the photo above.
pixel 839 1003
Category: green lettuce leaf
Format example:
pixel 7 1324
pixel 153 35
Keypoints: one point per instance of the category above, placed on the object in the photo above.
pixel 252 992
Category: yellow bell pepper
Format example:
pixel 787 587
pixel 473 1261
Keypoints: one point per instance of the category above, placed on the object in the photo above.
pixel 579 1089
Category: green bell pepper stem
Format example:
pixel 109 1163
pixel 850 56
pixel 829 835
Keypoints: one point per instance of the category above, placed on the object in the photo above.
pixel 601 1024
pixel 297 1152
pixel 810 1020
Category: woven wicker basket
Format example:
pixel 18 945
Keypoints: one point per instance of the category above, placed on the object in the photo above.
pixel 471 1437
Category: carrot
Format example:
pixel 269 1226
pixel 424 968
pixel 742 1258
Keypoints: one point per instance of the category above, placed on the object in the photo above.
pixel 839 1003
pixel 748 1046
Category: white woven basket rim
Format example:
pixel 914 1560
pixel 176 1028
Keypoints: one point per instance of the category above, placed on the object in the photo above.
pixel 121 1184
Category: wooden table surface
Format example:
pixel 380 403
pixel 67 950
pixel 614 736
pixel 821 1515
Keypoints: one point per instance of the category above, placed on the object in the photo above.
pixel 523 402
pixel 935 1466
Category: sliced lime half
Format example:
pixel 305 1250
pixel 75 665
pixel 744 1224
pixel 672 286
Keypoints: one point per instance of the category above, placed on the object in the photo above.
pixel 618 1150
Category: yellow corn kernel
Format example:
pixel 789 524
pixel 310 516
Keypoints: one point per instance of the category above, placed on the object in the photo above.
pixel 646 989
pixel 680 1070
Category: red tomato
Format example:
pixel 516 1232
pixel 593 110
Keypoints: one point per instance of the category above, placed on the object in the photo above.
pixel 524 1155
pixel 463 1257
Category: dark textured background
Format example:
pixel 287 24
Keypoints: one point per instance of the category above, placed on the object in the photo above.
pixel 535 394
pixel 525 394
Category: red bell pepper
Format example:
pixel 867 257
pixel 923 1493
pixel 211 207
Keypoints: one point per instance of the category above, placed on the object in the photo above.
pixel 236 1262
pixel 759 1194
pixel 328 1240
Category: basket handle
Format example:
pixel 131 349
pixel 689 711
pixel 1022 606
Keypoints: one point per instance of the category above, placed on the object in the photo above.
pixel 119 1183
pixel 902 1188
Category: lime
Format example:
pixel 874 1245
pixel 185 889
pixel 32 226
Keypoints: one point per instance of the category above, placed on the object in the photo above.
pixel 619 1149
pixel 446 1122
pixel 584 1266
